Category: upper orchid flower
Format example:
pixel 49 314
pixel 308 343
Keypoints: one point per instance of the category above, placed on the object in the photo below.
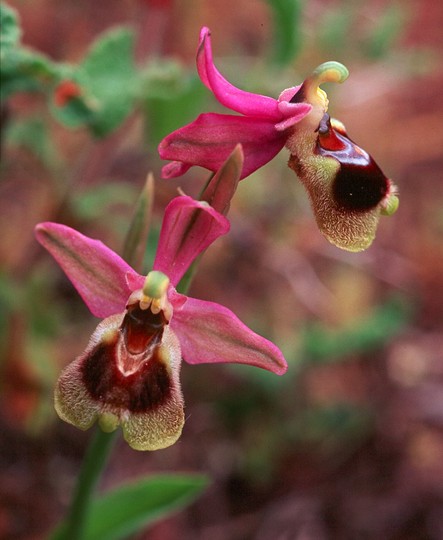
pixel 129 372
pixel 262 130
pixel 347 189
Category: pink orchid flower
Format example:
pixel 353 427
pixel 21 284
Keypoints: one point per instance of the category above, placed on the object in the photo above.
pixel 262 129
pixel 129 373
pixel 347 189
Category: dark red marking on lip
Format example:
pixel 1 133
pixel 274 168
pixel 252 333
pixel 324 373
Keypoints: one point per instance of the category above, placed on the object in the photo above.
pixel 359 184
pixel 142 389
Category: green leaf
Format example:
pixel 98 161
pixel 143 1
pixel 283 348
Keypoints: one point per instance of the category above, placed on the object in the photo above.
pixel 23 70
pixel 321 345
pixel 134 506
pixel 135 242
pixel 287 29
pixel 171 98
pixel 9 29
pixel 109 76
pixel 107 84
pixel 76 113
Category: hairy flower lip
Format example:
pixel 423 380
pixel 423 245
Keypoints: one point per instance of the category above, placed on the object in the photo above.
pixel 141 386
pixel 347 189
pixel 146 401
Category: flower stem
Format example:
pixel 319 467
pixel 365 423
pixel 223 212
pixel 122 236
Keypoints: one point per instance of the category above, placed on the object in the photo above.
pixel 74 527
pixel 94 461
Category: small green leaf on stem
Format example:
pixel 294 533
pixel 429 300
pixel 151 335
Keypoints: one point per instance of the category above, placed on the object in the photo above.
pixel 221 187
pixel 10 31
pixel 137 235
pixel 107 84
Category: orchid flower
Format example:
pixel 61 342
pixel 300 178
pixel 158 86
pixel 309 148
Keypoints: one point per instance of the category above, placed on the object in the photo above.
pixel 347 189
pixel 129 373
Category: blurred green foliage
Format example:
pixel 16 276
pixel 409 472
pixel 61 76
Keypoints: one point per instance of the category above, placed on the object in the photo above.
pixel 287 37
pixel 102 90
pixel 107 82
pixel 98 201
pixel 22 70
pixel 31 134
pixel 172 97
pixel 323 345
pixel 355 29
pixel 137 505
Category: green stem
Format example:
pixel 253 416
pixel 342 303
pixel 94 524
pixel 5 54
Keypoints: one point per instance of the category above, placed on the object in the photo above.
pixel 97 454
pixel 93 464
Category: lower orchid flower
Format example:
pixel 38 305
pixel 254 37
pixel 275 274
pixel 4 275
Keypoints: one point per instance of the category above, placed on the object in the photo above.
pixel 347 189
pixel 129 373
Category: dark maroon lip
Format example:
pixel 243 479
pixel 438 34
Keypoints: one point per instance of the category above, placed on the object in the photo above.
pixel 127 372
pixel 359 184
pixel 142 391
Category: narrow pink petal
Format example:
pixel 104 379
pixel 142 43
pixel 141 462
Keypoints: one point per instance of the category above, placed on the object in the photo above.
pixel 289 122
pixel 293 113
pixel 247 103
pixel 98 274
pixel 174 169
pixel 209 140
pixel 205 35
pixel 188 228
pixel 288 93
pixel 210 333
pixel 134 281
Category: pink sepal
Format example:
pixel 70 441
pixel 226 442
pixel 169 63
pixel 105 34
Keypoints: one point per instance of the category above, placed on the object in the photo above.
pixel 98 274
pixel 210 333
pixel 210 139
